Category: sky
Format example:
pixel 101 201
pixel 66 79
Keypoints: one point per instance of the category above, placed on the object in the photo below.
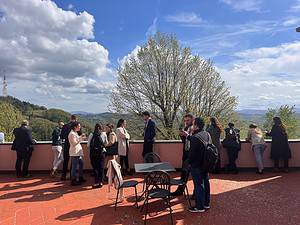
pixel 64 53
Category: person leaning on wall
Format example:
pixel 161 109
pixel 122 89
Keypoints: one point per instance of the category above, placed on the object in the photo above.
pixel 23 145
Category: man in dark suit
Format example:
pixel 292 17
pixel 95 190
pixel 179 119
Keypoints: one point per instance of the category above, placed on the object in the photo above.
pixel 66 129
pixel 149 133
pixel 23 146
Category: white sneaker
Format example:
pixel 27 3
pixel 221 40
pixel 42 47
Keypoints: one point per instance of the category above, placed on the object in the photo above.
pixel 206 207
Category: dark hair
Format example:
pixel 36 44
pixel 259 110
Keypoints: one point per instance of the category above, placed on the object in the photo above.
pixel 73 117
pixel 120 122
pixel 253 125
pixel 110 125
pixel 278 122
pixel 231 124
pixel 98 128
pixel 189 116
pixel 146 113
pixel 199 122
pixel 215 123
pixel 74 125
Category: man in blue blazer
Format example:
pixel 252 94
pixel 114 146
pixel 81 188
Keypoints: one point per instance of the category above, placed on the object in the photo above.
pixel 149 133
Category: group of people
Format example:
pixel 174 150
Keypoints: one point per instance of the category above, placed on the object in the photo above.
pixel 104 143
pixel 195 139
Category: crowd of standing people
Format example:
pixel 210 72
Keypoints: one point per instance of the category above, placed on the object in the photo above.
pixel 104 144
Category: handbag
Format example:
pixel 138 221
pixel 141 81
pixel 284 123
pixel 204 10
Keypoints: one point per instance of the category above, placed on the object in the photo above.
pixel 112 150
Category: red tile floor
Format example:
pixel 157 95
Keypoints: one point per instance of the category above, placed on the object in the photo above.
pixel 244 199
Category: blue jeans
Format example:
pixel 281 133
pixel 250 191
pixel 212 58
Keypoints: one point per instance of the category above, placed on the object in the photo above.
pixel 201 186
pixel 77 161
pixel 258 152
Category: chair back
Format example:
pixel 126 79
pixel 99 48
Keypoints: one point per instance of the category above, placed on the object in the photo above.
pixel 118 179
pixel 152 157
pixel 157 180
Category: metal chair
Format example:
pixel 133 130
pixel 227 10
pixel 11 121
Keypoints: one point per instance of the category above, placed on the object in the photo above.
pixel 157 187
pixel 152 157
pixel 126 184
pixel 179 182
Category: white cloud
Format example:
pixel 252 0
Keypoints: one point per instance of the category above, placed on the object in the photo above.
pixel 70 6
pixel 153 28
pixel 185 19
pixel 295 7
pixel 52 48
pixel 265 77
pixel 291 21
pixel 244 5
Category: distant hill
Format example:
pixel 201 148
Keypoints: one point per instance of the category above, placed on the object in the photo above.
pixel 42 120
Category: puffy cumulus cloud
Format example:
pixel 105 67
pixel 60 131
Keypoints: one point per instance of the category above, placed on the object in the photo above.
pixel 265 77
pixel 54 47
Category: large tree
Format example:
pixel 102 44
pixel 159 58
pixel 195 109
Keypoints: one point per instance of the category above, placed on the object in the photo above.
pixel 168 80
pixel 10 118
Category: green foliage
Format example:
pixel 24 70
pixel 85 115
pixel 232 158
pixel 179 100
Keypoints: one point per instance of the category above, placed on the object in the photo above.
pixel 288 117
pixel 10 118
pixel 41 128
pixel 57 115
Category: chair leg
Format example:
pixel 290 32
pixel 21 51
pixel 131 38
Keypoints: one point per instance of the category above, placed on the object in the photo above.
pixel 170 208
pixel 188 195
pixel 117 199
pixel 136 197
pixel 145 221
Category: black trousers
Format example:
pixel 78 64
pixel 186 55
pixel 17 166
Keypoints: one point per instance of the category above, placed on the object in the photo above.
pixel 124 161
pixel 98 167
pixel 66 161
pixel 22 162
pixel 232 157
pixel 148 147
pixel 218 165
pixel 285 163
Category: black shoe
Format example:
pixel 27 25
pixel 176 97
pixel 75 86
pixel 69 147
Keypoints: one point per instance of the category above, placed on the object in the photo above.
pixel 75 183
pixel 82 180
pixel 196 210
pixel 97 186
pixel 63 178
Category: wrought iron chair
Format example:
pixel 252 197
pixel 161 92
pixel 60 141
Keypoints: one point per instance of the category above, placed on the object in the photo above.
pixel 157 187
pixel 126 184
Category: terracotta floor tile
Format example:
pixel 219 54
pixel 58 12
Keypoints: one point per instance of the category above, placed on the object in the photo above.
pixel 244 199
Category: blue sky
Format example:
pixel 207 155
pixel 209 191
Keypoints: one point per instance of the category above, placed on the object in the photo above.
pixel 66 56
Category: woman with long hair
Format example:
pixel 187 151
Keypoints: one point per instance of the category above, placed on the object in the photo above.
pixel 256 137
pixel 123 145
pixel 215 129
pixel 76 154
pixel 96 144
pixel 280 150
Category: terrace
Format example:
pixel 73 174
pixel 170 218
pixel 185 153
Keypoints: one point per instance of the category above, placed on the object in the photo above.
pixel 243 199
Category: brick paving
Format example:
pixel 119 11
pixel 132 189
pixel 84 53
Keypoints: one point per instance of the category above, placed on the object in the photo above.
pixel 244 199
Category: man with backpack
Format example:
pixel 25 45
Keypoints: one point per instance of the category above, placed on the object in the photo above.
pixel 203 157
pixel 96 144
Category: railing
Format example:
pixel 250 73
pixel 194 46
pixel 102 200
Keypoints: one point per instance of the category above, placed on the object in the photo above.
pixel 169 150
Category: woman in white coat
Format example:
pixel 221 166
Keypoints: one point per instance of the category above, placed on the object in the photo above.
pixel 123 145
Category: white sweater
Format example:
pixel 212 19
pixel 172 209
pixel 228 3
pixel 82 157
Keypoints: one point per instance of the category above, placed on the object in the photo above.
pixel 75 146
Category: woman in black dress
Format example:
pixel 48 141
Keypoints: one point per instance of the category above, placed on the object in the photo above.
pixel 280 150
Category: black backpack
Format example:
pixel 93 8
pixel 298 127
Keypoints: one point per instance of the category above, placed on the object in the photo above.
pixel 96 145
pixel 211 154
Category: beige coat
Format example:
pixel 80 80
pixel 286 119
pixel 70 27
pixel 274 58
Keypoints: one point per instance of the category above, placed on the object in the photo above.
pixel 123 137
pixel 75 146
